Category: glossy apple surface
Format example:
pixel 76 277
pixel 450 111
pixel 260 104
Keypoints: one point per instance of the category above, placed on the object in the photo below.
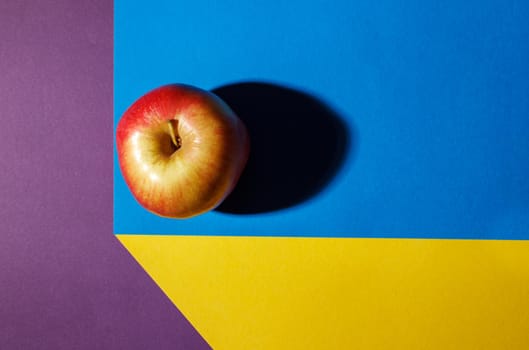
pixel 181 150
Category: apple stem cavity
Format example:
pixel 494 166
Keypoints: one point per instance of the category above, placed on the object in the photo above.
pixel 173 132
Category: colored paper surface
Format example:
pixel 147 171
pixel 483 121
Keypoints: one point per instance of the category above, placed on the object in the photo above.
pixel 429 108
pixel 313 293
pixel 388 119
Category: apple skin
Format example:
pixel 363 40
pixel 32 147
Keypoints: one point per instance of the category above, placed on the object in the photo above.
pixel 181 150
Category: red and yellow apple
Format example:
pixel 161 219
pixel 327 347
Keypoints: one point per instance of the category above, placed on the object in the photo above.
pixel 181 150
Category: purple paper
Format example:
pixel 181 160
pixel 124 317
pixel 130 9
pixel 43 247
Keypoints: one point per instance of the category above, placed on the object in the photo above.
pixel 65 280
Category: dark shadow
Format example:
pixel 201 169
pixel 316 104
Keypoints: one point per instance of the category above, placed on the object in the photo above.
pixel 297 145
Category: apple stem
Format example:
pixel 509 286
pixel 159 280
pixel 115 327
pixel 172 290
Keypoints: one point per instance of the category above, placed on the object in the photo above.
pixel 173 132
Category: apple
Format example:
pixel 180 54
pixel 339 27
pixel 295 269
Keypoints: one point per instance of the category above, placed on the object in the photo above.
pixel 181 150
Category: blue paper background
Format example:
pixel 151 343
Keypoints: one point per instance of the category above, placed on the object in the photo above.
pixel 436 94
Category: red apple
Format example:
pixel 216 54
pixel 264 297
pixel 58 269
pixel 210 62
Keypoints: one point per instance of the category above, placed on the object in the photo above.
pixel 181 150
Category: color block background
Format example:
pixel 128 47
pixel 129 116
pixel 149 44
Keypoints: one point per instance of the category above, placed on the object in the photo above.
pixel 66 283
pixel 433 97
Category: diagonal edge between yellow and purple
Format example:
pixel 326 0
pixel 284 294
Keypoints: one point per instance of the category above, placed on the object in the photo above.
pixel 331 293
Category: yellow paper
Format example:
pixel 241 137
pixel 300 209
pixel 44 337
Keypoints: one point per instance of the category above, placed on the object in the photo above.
pixel 340 293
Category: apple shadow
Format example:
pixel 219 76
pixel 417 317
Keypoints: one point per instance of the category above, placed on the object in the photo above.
pixel 298 144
